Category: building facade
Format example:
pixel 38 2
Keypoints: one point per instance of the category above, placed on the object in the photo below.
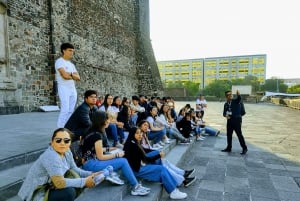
pixel 113 51
pixel 205 70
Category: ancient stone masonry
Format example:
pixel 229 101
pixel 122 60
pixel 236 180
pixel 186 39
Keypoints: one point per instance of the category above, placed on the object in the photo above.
pixel 113 52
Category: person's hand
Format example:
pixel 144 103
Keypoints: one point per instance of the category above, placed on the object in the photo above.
pixel 121 154
pixel 162 154
pixel 89 181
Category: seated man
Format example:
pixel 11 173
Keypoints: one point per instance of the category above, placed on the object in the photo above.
pixel 80 122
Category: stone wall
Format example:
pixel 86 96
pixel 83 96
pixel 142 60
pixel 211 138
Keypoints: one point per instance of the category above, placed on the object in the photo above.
pixel 113 52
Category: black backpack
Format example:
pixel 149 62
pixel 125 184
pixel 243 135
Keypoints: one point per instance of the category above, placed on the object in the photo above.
pixel 76 149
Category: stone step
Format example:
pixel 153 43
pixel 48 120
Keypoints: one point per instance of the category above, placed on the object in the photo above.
pixel 12 178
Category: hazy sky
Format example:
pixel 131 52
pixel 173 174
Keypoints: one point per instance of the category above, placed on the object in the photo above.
pixel 187 29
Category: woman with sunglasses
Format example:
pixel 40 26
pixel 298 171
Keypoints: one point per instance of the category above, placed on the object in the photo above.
pixel 50 168
pixel 97 154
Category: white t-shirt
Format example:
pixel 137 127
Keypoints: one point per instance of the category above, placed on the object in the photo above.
pixel 69 67
pixel 202 102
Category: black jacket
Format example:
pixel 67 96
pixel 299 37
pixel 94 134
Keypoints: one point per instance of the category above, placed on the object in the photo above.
pixel 135 156
pixel 80 121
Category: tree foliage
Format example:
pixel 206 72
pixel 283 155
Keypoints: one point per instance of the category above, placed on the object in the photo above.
pixel 294 89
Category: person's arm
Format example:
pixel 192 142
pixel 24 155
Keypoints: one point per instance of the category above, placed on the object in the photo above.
pixel 64 74
pixel 75 76
pixel 99 152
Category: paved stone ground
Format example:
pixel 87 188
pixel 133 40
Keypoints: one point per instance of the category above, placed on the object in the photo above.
pixel 269 171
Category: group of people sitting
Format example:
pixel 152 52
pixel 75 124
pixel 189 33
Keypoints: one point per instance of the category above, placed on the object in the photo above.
pixel 138 129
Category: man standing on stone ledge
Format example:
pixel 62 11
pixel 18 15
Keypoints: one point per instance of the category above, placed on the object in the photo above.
pixel 66 73
pixel 233 113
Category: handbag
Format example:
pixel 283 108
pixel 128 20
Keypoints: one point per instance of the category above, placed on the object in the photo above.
pixel 46 187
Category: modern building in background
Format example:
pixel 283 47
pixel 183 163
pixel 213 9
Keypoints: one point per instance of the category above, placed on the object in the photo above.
pixel 206 70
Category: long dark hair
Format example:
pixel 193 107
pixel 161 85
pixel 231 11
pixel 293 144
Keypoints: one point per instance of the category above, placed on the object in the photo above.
pixel 105 101
pixel 131 138
pixel 98 119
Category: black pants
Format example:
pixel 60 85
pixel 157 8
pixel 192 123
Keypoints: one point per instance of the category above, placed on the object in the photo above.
pixel 65 194
pixel 235 124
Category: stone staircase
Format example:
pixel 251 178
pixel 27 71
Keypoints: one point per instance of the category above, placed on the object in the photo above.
pixel 14 169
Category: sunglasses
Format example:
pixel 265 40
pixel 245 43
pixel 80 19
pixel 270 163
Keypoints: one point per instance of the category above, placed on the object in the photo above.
pixel 66 140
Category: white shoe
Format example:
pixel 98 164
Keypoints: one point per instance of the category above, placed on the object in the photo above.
pixel 114 179
pixel 177 195
pixel 161 143
pixel 167 141
pixel 139 190
pixel 157 146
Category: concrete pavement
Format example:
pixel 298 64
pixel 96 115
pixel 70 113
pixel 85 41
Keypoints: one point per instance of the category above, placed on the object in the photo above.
pixel 269 171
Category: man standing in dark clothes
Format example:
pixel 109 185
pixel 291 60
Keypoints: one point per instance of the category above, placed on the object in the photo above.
pixel 80 121
pixel 232 112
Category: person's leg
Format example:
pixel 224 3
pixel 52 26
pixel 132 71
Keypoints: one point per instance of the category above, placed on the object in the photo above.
pixel 238 131
pixel 157 173
pixel 121 134
pixel 65 194
pixel 176 172
pixel 157 136
pixel 64 98
pixel 229 129
pixel 174 132
pixel 211 131
pixel 95 165
pixel 72 102
pixel 112 131
pixel 152 154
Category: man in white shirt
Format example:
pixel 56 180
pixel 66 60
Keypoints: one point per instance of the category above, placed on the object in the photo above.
pixel 66 73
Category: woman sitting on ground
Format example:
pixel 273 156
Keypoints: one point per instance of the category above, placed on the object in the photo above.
pixel 50 168
pixel 181 176
pixel 96 152
pixel 143 166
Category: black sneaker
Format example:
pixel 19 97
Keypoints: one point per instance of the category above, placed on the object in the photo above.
pixel 188 181
pixel 188 173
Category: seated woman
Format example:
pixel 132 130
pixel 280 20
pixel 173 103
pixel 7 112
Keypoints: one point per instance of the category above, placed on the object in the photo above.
pixel 165 119
pixel 50 168
pixel 94 147
pixel 158 133
pixel 181 176
pixel 143 166
pixel 115 128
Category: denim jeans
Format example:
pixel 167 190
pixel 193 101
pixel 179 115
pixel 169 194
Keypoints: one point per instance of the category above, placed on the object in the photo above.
pixel 157 173
pixel 95 165
pixel 174 133
pixel 66 194
pixel 115 132
pixel 209 130
pixel 176 172
pixel 156 136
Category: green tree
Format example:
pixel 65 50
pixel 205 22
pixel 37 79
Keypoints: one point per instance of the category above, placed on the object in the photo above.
pixel 217 88
pixel 275 85
pixel 294 89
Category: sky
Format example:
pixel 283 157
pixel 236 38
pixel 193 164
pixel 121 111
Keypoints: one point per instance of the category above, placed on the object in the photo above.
pixel 187 29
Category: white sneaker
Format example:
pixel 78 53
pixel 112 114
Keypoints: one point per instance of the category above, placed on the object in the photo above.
pixel 167 141
pixel 119 145
pixel 161 143
pixel 177 195
pixel 157 146
pixel 114 179
pixel 139 190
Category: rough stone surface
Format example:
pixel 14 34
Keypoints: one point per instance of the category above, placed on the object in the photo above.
pixel 113 51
